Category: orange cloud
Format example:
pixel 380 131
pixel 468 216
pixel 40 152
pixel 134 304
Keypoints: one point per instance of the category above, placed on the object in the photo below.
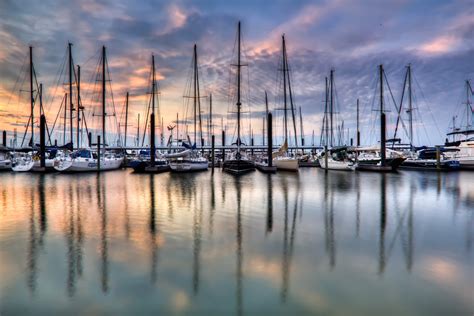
pixel 440 45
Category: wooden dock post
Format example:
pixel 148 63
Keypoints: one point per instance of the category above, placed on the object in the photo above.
pixel 42 141
pixel 270 139
pixel 438 158
pixel 98 153
pixel 326 157
pixel 251 144
pixel 4 139
pixel 223 145
pixel 213 140
pixel 89 138
pixel 382 140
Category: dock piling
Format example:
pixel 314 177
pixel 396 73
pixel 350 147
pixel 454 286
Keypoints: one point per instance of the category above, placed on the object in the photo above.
pixel 4 138
pixel 213 140
pixel 251 143
pixel 98 153
pixel 438 158
pixel 326 158
pixel 42 141
pixel 223 145
pixel 269 139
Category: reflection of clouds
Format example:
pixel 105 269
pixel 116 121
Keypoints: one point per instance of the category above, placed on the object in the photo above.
pixel 180 301
pixel 312 289
pixel 440 270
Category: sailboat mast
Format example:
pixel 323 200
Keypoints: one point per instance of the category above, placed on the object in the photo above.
pixel 65 119
pixel 291 97
pixel 32 98
pixel 265 117
pixel 211 128
pixel 198 94
pixel 138 130
pixel 103 97
pixel 468 105
pixel 410 106
pixel 358 130
pixel 71 109
pixel 301 128
pixel 195 92
pixel 331 105
pixel 285 119
pixel 382 119
pixel 266 104
pixel 78 103
pixel 152 116
pixel 239 104
pixel 326 112
pixel 126 121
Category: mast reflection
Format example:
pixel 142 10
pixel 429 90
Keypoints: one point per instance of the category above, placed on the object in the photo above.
pixel 71 265
pixel 213 204
pixel 357 175
pixel 32 248
pixel 329 222
pixel 269 204
pixel 239 274
pixel 383 224
pixel 197 220
pixel 42 201
pixel 101 202
pixel 287 244
pixel 152 228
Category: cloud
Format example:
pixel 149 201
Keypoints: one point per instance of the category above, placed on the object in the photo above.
pixel 352 38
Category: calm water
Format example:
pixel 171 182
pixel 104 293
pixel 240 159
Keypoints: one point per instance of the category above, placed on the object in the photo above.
pixel 336 244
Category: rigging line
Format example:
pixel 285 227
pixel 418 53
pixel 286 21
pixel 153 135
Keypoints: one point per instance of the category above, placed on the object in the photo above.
pixel 372 110
pixel 397 231
pixel 51 97
pixel 112 96
pixel 22 69
pixel 57 115
pixel 150 81
pixel 18 115
pixel 400 108
pixel 429 108
pixel 291 98
pixel 394 102
pixel 26 131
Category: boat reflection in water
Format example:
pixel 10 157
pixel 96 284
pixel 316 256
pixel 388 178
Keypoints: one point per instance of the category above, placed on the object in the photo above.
pixel 214 243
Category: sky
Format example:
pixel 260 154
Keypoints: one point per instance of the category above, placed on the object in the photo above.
pixel 352 37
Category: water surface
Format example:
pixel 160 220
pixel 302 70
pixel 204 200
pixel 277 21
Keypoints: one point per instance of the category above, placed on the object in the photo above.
pixel 339 243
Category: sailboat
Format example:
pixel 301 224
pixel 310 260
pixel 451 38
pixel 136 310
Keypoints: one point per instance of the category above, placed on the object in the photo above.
pixel 333 157
pixel 237 162
pixel 424 158
pixel 281 159
pixel 373 158
pixel 154 164
pixel 28 158
pixel 86 160
pixel 190 159
pixel 464 149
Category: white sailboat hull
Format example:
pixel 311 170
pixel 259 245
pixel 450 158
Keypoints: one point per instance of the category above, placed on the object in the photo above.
pixel 23 165
pixel 87 164
pixel 335 165
pixel 189 166
pixel 466 162
pixel 289 164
